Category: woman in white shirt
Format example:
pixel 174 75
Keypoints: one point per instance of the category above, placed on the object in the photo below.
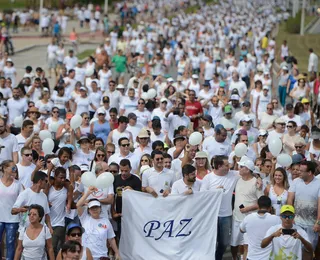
pixel 60 100
pixel 91 65
pixel 60 57
pixel 104 75
pixel 143 115
pixel 9 71
pixel 81 104
pixel 44 104
pixel 35 240
pixel 85 126
pixel 10 188
pixel 52 123
pixel 96 238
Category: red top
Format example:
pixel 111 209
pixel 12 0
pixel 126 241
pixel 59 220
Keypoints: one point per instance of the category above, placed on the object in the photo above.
pixel 193 108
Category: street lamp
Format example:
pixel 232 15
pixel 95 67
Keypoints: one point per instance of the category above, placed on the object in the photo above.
pixel 105 7
pixel 303 10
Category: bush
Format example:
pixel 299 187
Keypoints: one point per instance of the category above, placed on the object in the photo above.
pixel 293 24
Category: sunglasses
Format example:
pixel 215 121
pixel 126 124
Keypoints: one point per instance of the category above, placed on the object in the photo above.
pixel 289 126
pixel 159 159
pixel 75 234
pixel 27 154
pixel 125 145
pixel 145 161
pixel 112 152
pixel 100 114
pixel 106 101
pixel 287 217
pixel 298 146
pixel 100 155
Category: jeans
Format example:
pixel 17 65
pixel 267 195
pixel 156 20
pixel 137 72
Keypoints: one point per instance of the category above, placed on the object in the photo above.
pixel 223 236
pixel 282 95
pixel 11 233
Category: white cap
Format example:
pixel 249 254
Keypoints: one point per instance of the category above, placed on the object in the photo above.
pixel 120 86
pixel 195 76
pixel 84 167
pixel 94 203
pixel 262 132
pixel 247 163
pixel 246 118
pixel 9 60
pixel 141 52
pixel 170 79
pixel 163 100
pixel 101 110
pixel 284 67
pixel 83 88
pixel 234 97
pixel 265 87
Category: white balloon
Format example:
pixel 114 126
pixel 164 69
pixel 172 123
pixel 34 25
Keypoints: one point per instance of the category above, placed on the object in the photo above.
pixel 44 134
pixel 88 179
pixel 89 72
pixel 75 122
pixel 47 146
pixel 284 160
pixel 275 146
pixel 104 180
pixel 152 93
pixel 240 150
pixel 53 127
pixel 195 138
pixel 18 121
pixel 145 96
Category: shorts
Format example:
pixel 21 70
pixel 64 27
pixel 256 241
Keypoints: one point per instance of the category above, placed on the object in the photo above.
pixel 119 74
pixel 237 237
pixel 52 63
pixel 87 20
pixel 313 236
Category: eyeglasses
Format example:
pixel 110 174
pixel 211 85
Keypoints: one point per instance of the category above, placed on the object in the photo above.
pixel 125 145
pixel 144 138
pixel 145 161
pixel 27 154
pixel 100 114
pixel 112 152
pixel 14 168
pixel 159 159
pixel 287 217
pixel 106 101
pixel 100 155
pixel 298 146
pixel 289 126
pixel 75 234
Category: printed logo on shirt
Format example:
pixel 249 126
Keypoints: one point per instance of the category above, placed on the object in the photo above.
pixel 104 226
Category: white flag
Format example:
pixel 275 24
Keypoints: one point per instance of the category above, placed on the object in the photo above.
pixel 178 227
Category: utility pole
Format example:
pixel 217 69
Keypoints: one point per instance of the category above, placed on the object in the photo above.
pixel 40 14
pixel 303 11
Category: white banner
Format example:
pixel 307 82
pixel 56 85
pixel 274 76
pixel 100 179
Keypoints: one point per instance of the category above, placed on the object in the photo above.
pixel 180 227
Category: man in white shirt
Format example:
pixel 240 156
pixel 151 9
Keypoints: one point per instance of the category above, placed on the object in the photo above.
pixel 129 103
pixel 291 116
pixel 222 178
pixel 8 144
pixel 16 106
pixel 245 68
pixel 26 167
pixel 189 184
pixel 70 61
pixel 287 239
pixel 313 62
pixel 24 138
pixel 256 225
pixel 113 94
pixel 52 57
pixel 238 84
pixel 157 180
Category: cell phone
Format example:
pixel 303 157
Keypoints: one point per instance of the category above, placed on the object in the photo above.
pixel 241 206
pixel 288 231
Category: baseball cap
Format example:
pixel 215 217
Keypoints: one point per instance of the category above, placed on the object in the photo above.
pixel 163 100
pixel 289 106
pixel 70 146
pixel 155 118
pixel 84 167
pixel 235 97
pixel 101 110
pixel 73 225
pixel 207 118
pixel 94 203
pixel 247 163
pixel 195 76
pixel 305 101
pixel 105 99
pixel 262 132
pixel 265 88
pixel 284 67
pixel 201 154
pixel 45 90
pixel 287 208
pixel 120 86
pixel 83 88
pixel 280 121
pixel 246 103
pixel 177 137
pixel 246 118
pixel 170 80
pixel 143 133
pixel 83 138
pixel 227 109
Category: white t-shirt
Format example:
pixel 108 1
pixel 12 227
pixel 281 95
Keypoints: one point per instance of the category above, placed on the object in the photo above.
pixel 25 173
pixel 212 181
pixel 34 249
pixel 82 105
pixel 286 246
pixel 82 158
pixel 129 105
pixel 16 108
pixel 256 226
pixel 70 62
pixel 306 201
pixel 27 198
pixel 143 117
pixel 179 187
pixel 8 197
pixel 213 148
pixel 51 50
pixel 58 199
pixel 96 235
pixel 11 145
pixel 159 181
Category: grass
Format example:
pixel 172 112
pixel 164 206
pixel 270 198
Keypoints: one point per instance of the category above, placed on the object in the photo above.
pixel 85 54
pixel 299 45
pixel 192 9
pixel 7 4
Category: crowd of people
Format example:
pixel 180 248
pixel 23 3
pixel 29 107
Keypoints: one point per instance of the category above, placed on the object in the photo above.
pixel 141 95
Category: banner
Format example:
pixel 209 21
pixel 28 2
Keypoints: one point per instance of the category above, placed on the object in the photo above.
pixel 180 227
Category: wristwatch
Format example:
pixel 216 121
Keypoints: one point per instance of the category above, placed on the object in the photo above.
pixel 318 222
